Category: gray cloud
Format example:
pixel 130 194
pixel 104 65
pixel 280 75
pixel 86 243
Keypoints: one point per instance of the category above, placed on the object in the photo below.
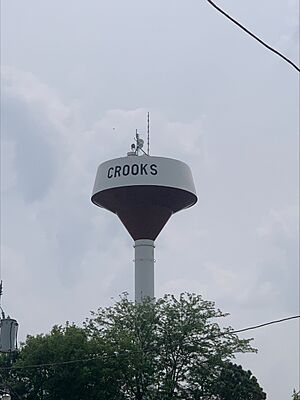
pixel 34 155
pixel 280 257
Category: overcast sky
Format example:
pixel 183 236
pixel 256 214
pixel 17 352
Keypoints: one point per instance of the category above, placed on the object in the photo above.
pixel 78 78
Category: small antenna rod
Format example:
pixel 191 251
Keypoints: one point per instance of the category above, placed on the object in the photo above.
pixel 1 292
pixel 148 133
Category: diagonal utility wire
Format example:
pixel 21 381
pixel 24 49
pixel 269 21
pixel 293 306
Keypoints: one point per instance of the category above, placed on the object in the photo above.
pixel 253 35
pixel 260 325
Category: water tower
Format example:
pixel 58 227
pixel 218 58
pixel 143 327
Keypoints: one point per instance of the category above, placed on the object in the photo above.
pixel 144 191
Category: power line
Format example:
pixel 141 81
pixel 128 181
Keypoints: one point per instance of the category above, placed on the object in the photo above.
pixel 253 35
pixel 277 321
pixel 80 360
pixel 103 356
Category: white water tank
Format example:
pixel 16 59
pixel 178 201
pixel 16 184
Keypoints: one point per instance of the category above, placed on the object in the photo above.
pixel 8 335
pixel 144 191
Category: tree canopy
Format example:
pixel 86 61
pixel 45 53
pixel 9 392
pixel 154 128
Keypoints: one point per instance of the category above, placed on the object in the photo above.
pixel 296 395
pixel 156 350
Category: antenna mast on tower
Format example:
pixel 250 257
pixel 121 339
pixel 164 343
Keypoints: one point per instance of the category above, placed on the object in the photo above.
pixel 148 133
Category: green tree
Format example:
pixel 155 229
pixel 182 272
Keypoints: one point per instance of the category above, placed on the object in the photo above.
pixel 57 379
pixel 158 350
pixel 234 383
pixel 168 349
pixel 296 395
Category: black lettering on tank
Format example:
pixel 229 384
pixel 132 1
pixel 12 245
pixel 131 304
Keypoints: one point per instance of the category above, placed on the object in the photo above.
pixel 134 169
pixel 109 172
pixel 126 170
pixel 143 169
pixel 153 168
pixel 117 171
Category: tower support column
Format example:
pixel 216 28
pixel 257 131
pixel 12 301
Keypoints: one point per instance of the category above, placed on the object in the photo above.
pixel 144 269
